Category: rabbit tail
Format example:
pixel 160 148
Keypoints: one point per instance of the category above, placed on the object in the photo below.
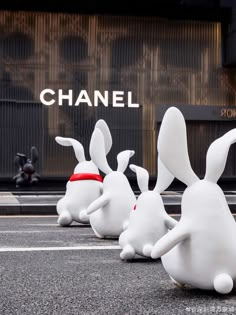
pixel 223 283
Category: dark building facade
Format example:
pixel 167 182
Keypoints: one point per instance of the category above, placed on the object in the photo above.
pixel 183 59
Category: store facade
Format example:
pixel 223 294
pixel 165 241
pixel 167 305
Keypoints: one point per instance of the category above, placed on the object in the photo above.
pixel 162 62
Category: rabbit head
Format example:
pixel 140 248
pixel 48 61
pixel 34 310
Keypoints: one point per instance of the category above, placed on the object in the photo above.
pixel 151 199
pixel 27 164
pixel 97 151
pixel 85 166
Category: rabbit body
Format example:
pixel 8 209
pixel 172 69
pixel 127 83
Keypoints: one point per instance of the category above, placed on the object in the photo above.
pixel 81 191
pixel 23 179
pixel 148 222
pixel 79 195
pixel 209 249
pixel 200 251
pixel 110 220
pixel 27 175
pixel 109 214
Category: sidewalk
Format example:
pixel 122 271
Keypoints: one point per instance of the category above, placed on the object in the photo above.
pixel 44 202
pixel 38 203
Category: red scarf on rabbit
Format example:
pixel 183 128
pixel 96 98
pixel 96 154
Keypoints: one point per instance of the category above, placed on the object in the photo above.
pixel 86 176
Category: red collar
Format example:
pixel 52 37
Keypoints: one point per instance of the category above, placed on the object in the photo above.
pixel 86 176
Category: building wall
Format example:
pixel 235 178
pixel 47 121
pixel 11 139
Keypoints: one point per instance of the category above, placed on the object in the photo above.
pixel 161 61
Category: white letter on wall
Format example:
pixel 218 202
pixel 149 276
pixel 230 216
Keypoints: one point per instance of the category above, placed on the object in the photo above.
pixel 42 99
pixel 130 104
pixel 103 99
pixel 62 97
pixel 83 98
pixel 116 97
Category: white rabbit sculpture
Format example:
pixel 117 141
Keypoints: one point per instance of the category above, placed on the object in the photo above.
pixel 85 185
pixel 149 220
pixel 200 251
pixel 109 214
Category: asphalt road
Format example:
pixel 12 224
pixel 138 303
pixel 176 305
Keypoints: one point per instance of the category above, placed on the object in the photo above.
pixel 47 269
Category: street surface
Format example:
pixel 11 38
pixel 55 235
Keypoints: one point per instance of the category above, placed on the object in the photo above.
pixel 47 269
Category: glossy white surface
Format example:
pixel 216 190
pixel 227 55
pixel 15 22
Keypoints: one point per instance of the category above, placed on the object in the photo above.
pixel 200 251
pixel 80 194
pixel 109 214
pixel 148 222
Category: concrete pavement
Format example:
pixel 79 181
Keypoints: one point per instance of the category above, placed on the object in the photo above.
pixel 47 269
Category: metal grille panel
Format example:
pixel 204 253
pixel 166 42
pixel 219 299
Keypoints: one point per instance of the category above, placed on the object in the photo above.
pixel 160 61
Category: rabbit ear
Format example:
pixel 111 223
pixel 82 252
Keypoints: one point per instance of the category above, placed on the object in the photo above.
pixel 97 151
pixel 173 148
pixel 77 146
pixel 164 177
pixel 217 156
pixel 34 155
pixel 101 124
pixel 20 159
pixel 123 160
pixel 142 177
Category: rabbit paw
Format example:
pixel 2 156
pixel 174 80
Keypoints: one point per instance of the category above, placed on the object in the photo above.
pixel 127 253
pixel 84 218
pixel 147 250
pixel 64 219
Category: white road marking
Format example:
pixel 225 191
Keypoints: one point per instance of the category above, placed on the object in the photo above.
pixel 36 204
pixel 39 249
pixel 33 231
pixel 55 224
pixel 42 224
pixel 22 216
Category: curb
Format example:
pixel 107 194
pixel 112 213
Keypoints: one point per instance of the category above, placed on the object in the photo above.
pixel 45 204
